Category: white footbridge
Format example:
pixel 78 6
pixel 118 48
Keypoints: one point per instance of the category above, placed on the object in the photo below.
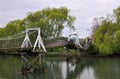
pixel 22 41
pixel 30 39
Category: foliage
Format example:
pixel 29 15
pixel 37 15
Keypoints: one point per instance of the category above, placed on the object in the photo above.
pixel 12 28
pixel 106 33
pixel 51 21
pixel 2 34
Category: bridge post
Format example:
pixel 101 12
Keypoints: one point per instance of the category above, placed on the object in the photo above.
pixel 74 38
pixel 38 41
pixel 26 41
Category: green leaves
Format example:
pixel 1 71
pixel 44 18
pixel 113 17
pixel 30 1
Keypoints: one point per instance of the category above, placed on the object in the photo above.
pixel 51 21
pixel 105 48
pixel 117 14
pixel 106 33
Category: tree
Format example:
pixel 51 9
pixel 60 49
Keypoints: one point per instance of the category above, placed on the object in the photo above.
pixel 51 21
pixel 13 27
pixel 117 15
pixel 106 33
pixel 2 32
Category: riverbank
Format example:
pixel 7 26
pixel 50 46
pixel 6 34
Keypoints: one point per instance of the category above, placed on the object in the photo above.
pixel 62 54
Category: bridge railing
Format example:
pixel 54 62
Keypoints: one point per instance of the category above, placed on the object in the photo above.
pixel 11 43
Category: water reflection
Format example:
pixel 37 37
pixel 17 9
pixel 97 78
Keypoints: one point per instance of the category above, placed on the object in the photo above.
pixel 88 73
pixel 107 68
pixel 9 67
pixel 87 68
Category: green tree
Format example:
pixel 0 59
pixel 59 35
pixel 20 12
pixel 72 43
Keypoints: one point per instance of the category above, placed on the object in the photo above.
pixel 2 32
pixel 13 27
pixel 106 33
pixel 51 21
pixel 117 15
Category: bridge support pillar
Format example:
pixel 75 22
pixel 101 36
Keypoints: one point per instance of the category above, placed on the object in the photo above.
pixel 73 37
pixel 26 41
pixel 38 43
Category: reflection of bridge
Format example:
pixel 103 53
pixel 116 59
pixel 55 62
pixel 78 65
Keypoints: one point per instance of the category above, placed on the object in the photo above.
pixel 30 40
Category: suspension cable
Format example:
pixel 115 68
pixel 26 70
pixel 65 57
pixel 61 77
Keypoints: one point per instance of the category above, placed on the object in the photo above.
pixel 13 37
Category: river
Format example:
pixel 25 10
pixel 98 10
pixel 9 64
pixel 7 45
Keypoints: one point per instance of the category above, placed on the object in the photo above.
pixel 58 68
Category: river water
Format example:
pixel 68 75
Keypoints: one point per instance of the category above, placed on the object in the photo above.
pixel 58 68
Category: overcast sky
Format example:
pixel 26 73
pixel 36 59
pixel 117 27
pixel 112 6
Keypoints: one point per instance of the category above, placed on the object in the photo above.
pixel 83 10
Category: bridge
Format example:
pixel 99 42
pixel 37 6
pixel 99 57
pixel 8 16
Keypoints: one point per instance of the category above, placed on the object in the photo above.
pixel 30 40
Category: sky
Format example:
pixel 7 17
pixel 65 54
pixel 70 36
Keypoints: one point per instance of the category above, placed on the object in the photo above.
pixel 84 11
